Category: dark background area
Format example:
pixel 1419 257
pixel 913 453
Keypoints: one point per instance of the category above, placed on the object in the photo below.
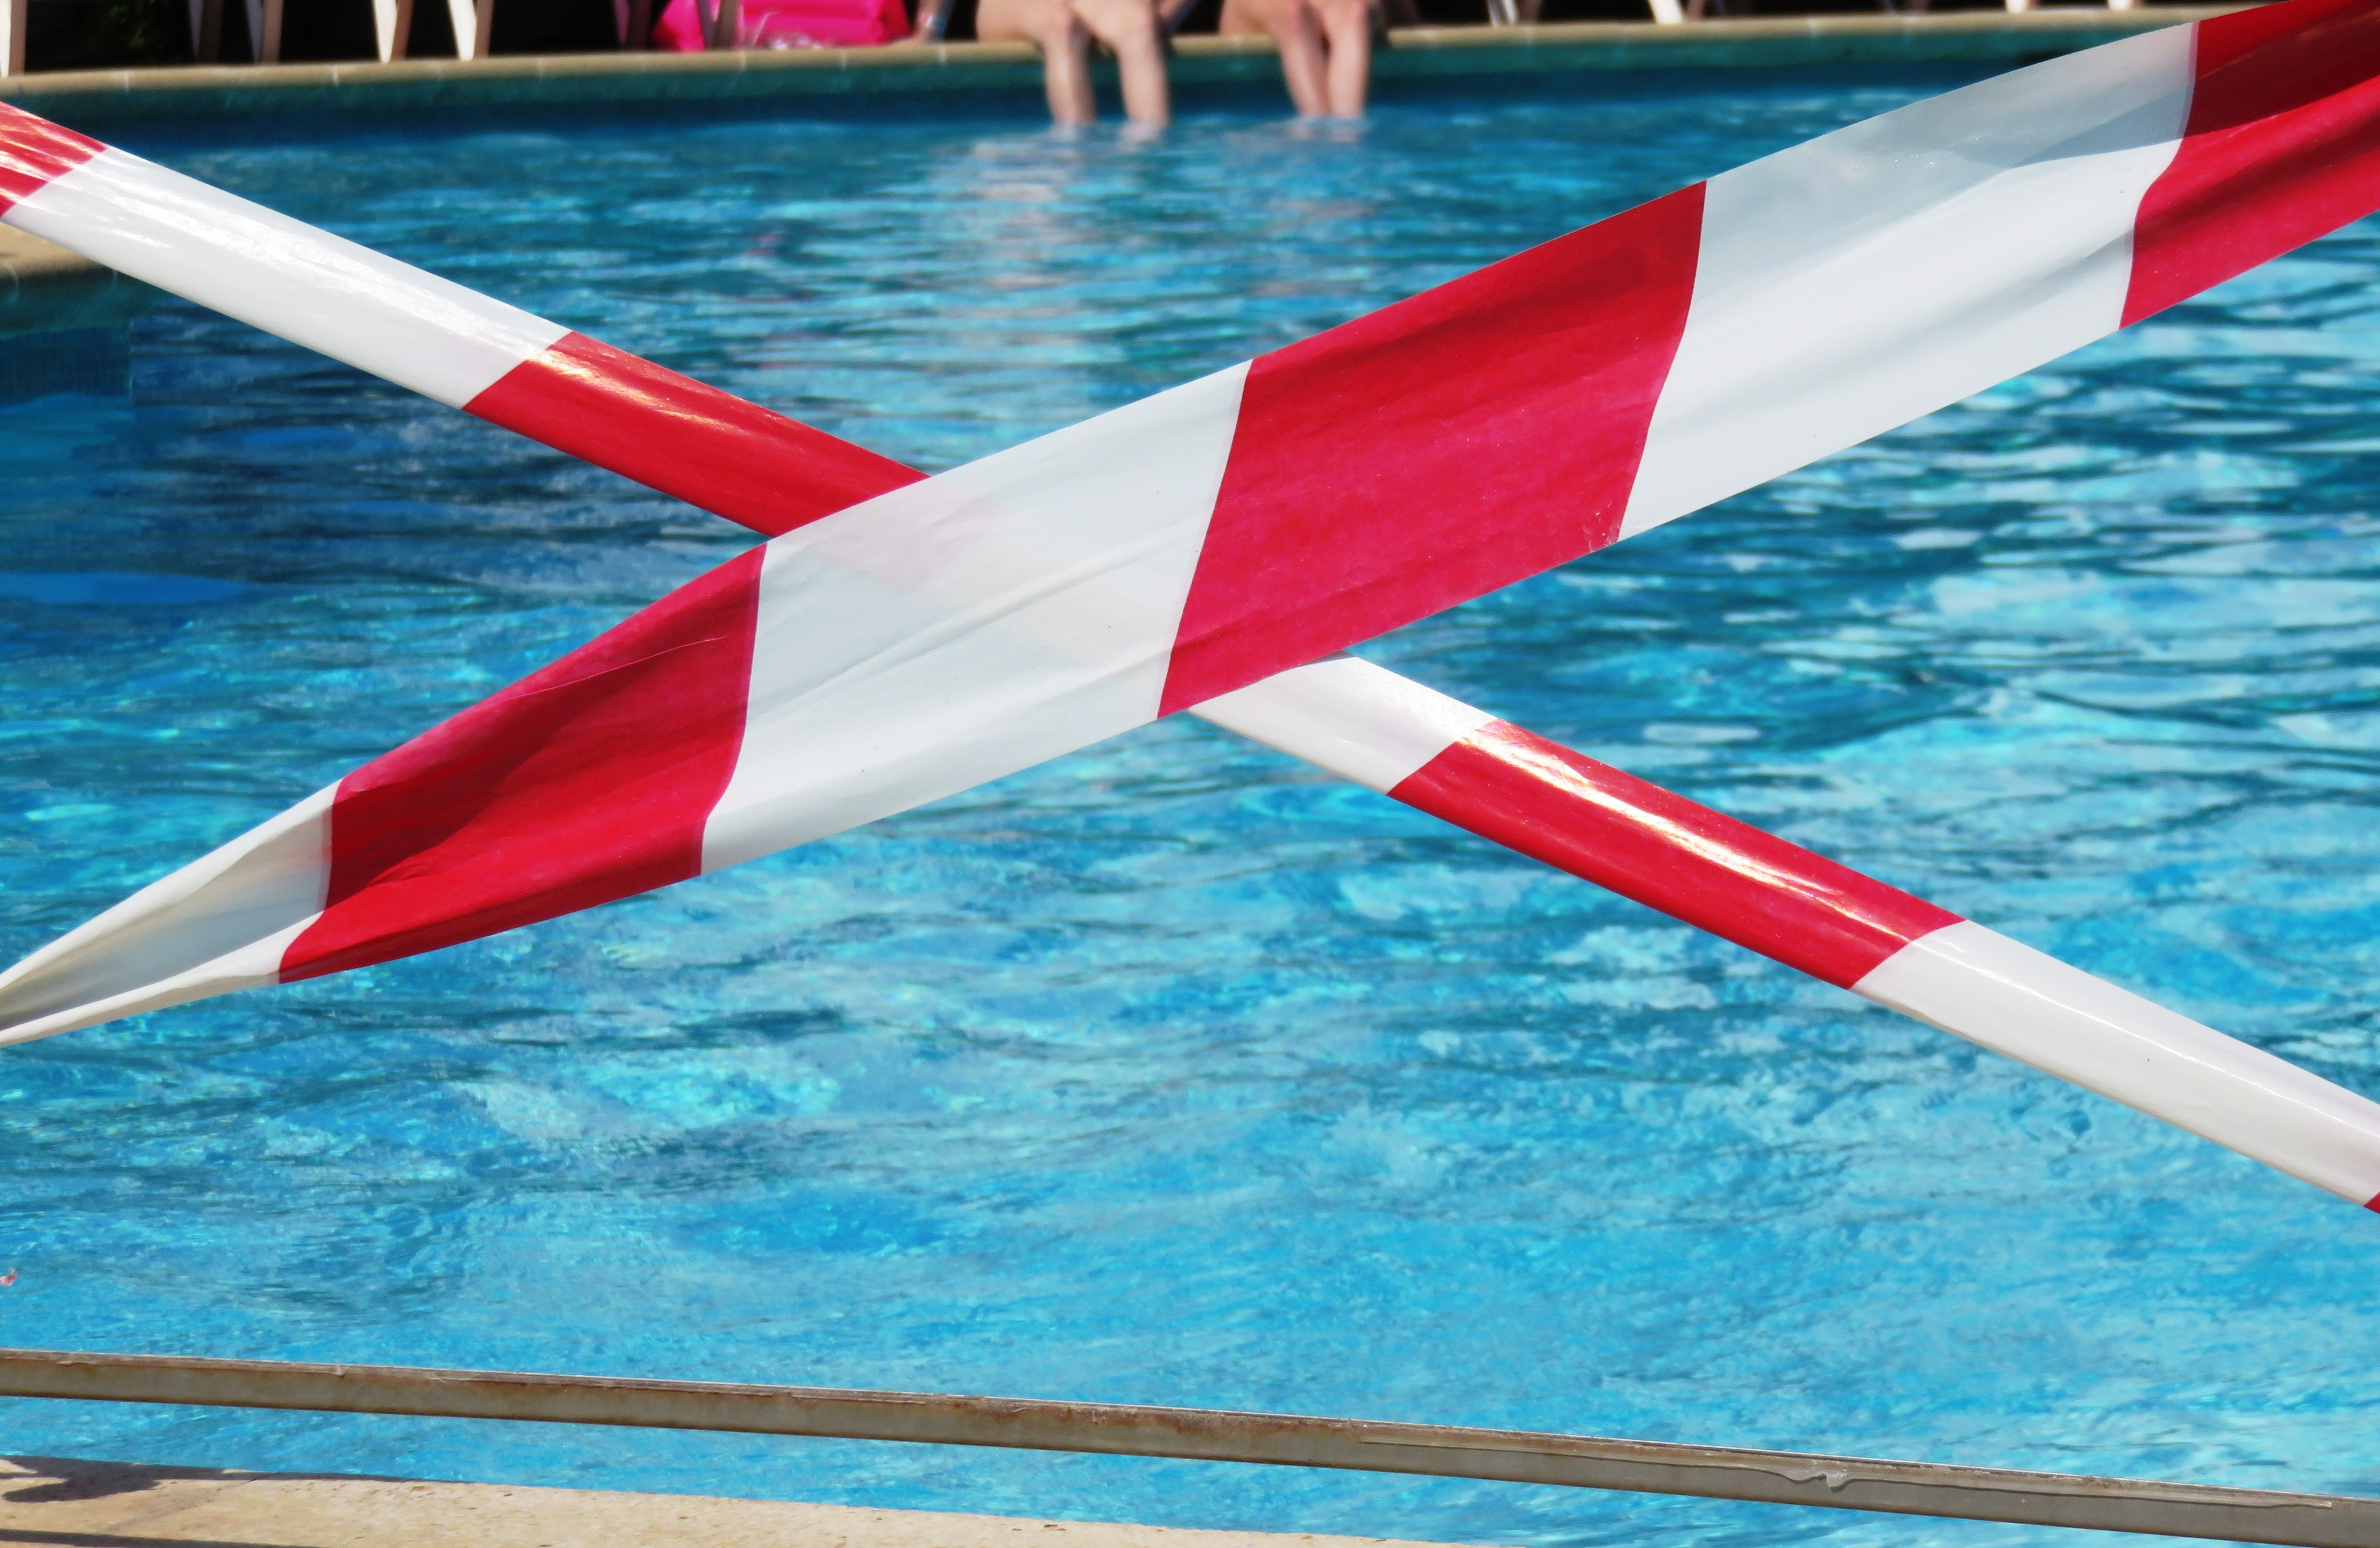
pixel 93 34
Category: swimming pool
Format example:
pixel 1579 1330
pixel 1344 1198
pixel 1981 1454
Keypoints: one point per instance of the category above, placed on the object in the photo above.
pixel 1173 1072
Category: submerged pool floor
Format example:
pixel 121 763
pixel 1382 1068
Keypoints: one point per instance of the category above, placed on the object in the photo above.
pixel 1173 1072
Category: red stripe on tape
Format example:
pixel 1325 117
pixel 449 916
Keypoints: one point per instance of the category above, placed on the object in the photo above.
pixel 587 781
pixel 33 151
pixel 670 432
pixel 1437 449
pixel 1666 851
pixel 2282 145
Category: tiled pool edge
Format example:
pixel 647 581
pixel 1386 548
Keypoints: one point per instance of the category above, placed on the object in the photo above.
pixel 414 85
pixel 51 1500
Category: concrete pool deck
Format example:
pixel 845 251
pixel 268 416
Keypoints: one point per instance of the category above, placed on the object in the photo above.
pixel 112 1505
pixel 416 86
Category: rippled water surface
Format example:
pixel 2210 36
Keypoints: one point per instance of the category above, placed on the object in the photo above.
pixel 1174 1072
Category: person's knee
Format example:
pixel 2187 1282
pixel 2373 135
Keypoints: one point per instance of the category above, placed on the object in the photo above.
pixel 1342 18
pixel 1293 18
pixel 1132 29
pixel 1046 26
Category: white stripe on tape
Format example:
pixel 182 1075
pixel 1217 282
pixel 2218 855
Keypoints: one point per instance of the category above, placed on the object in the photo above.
pixel 222 910
pixel 2010 998
pixel 1853 284
pixel 1359 721
pixel 439 338
pixel 961 629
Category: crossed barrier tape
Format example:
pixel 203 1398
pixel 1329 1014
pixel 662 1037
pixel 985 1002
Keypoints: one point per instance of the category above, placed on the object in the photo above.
pixel 905 633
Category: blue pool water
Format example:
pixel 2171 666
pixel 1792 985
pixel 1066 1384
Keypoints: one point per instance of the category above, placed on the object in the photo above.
pixel 1173 1072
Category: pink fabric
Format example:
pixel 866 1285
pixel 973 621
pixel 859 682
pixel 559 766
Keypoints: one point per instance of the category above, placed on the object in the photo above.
pixel 790 24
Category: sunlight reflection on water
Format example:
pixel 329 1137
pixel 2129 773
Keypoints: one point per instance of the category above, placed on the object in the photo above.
pixel 1173 1072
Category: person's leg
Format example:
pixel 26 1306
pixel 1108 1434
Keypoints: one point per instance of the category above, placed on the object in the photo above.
pixel 1129 27
pixel 1298 34
pixel 1347 24
pixel 1052 27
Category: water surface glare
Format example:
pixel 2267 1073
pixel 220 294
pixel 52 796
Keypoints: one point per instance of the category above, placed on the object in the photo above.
pixel 1172 1071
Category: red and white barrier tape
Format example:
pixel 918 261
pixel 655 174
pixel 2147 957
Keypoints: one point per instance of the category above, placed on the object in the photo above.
pixel 428 859
pixel 1809 913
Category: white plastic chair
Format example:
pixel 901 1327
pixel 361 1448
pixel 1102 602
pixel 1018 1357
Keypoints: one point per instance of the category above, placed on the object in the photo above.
pixel 263 31
pixel 475 20
pixel 393 25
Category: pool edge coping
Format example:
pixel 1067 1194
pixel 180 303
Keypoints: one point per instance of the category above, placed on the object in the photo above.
pixel 189 91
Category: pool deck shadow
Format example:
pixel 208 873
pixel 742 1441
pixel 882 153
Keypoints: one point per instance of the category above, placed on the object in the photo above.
pixel 64 1503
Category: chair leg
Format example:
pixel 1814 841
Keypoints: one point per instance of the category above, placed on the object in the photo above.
pixel 392 23
pixel 267 36
pixel 12 36
pixel 206 30
pixel 473 20
pixel 725 25
pixel 1503 13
